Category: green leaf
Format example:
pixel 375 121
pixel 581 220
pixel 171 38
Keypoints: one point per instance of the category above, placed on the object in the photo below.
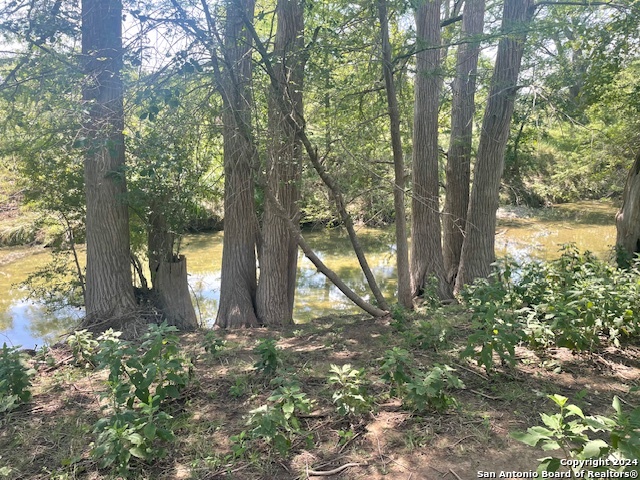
pixel 149 431
pixel 531 437
pixel 137 452
pixel 575 410
pixel 594 449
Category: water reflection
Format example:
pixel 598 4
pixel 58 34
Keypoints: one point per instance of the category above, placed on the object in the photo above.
pixel 519 234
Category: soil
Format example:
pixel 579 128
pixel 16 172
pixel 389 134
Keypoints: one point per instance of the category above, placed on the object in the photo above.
pixel 51 436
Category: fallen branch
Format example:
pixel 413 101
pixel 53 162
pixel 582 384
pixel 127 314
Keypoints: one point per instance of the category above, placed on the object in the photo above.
pixel 335 471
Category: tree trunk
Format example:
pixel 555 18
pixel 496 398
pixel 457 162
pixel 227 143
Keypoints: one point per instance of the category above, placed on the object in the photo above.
pixel 478 249
pixel 426 241
pixel 238 275
pixel 169 276
pixel 402 250
pixel 459 155
pixel 171 291
pixel 298 124
pixel 109 288
pixel 628 218
pixel 279 248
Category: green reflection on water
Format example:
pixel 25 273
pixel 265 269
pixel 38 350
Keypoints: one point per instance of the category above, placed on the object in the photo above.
pixel 520 234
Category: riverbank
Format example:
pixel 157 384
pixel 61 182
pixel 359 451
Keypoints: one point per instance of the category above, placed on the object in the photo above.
pixel 50 437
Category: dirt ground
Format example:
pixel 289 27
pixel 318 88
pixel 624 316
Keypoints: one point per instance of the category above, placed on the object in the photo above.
pixel 51 436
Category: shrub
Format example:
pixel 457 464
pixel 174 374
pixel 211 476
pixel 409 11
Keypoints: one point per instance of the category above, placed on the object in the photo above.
pixel 568 431
pixel 141 380
pixel 270 356
pixel 15 378
pixel 349 396
pixel 277 422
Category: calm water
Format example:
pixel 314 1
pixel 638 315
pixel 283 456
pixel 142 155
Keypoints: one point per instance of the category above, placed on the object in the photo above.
pixel 519 234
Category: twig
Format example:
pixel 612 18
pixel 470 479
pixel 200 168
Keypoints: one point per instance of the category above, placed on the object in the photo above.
pixel 484 395
pixel 454 474
pixel 461 440
pixel 471 371
pixel 349 441
pixel 335 471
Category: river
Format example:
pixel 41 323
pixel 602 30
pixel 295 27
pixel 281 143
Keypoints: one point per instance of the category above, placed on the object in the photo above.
pixel 522 234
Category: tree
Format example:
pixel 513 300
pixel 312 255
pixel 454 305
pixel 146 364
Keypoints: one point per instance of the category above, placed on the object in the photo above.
pixel 458 167
pixel 109 290
pixel 402 250
pixel 238 275
pixel 628 217
pixel 426 241
pixel 478 252
pixel 279 247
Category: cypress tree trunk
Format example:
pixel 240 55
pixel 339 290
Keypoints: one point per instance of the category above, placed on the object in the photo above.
pixel 478 249
pixel 426 241
pixel 169 276
pixel 459 155
pixel 279 248
pixel 628 217
pixel 238 275
pixel 109 288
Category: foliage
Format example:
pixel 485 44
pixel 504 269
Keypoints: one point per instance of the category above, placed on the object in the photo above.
pixel 270 356
pixel 213 344
pixel 141 381
pixel 428 390
pixel 418 389
pixel 575 301
pixel 569 431
pixel 277 422
pixel 15 379
pixel 495 320
pixel 396 368
pixel 349 394
pixel 83 346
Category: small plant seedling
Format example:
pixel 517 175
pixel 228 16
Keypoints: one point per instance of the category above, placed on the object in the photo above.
pixel 15 378
pixel 270 356
pixel 349 393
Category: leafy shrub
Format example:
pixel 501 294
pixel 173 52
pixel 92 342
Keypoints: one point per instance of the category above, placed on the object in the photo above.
pixel 270 356
pixel 15 378
pixel 419 390
pixel 213 344
pixel 574 301
pixel 426 335
pixel 140 382
pixel 428 390
pixel 397 369
pixel 349 393
pixel 83 346
pixel 277 422
pixel 495 308
pixel 568 431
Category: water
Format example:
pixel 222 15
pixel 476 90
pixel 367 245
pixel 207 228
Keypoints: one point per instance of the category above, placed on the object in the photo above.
pixel 521 234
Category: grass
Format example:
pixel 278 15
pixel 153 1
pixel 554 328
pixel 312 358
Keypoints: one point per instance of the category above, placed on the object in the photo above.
pixel 50 437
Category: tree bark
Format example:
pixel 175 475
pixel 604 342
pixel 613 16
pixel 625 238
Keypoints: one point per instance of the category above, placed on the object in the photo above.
pixel 402 250
pixel 478 249
pixel 628 217
pixel 238 275
pixel 109 287
pixel 279 248
pixel 459 156
pixel 169 276
pixel 426 240
pixel 297 122
pixel 171 292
